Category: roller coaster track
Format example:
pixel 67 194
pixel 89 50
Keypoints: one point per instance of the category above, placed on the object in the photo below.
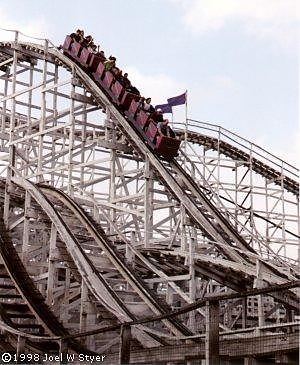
pixel 117 261
pixel 208 210
pixel 34 307
pixel 234 152
pixel 95 282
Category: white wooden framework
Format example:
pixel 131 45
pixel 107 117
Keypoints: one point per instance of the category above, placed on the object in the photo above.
pixel 59 130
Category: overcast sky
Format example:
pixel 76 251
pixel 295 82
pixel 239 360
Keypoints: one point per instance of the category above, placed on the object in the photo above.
pixel 238 59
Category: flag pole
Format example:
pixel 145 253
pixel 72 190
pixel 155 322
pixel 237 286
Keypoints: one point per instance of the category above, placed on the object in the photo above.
pixel 186 118
pixel 186 124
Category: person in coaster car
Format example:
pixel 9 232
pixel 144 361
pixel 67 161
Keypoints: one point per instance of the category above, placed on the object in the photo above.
pixel 78 36
pixel 164 129
pixel 145 104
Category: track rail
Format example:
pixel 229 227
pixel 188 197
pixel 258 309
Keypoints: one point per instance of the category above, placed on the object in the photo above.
pixel 220 222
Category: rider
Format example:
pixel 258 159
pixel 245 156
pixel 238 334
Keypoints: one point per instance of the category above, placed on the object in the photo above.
pixel 164 129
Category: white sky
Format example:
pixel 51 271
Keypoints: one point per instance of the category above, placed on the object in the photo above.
pixel 238 59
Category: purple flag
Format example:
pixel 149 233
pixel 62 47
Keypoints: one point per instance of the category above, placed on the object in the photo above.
pixel 177 100
pixel 165 108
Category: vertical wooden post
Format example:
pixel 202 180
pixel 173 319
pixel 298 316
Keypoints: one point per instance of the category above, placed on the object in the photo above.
pixel 148 203
pixel 212 356
pixel 42 121
pixel 125 339
pixel 182 227
pixel 26 226
pixel 260 299
pixel 63 351
pixel 112 189
pixel 244 312
pixel 192 281
pixel 12 146
pixel 51 281
pixel 20 346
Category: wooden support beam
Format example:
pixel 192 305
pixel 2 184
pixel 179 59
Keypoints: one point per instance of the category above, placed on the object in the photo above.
pixel 52 274
pixel 212 356
pixel 244 312
pixel 125 339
